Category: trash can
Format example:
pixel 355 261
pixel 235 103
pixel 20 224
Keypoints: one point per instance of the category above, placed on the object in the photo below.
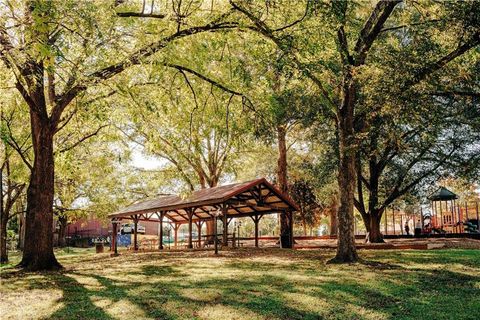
pixel 99 247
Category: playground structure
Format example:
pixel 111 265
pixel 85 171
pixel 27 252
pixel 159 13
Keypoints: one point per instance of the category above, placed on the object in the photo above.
pixel 446 215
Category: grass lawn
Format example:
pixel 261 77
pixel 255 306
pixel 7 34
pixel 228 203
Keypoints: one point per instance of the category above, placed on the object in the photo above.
pixel 248 284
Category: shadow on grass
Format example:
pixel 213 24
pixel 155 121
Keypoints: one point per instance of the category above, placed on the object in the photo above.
pixel 304 290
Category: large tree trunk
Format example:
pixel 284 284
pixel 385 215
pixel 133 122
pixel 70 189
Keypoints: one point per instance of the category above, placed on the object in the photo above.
pixel 332 212
pixel 346 250
pixel 62 231
pixel 38 247
pixel 286 239
pixel 21 219
pixel 375 235
pixel 3 225
pixel 3 239
pixel 210 224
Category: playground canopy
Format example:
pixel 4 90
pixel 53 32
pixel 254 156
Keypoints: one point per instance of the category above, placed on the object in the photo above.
pixel 247 199
pixel 442 194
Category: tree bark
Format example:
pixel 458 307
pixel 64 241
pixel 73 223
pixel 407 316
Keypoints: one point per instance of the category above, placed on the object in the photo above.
pixel 3 240
pixel 286 240
pixel 375 235
pixel 332 212
pixel 3 225
pixel 210 224
pixel 38 247
pixel 21 231
pixel 346 249
pixel 62 231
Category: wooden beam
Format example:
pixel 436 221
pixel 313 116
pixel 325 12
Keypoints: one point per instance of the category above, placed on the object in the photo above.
pixel 225 224
pixel 256 206
pixel 135 242
pixel 160 237
pixel 175 230
pixel 190 220
pixel 114 237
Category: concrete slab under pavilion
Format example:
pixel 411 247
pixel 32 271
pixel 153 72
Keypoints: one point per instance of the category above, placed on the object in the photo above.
pixel 253 199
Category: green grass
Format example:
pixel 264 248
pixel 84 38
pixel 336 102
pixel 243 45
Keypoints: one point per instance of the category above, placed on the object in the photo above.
pixel 248 284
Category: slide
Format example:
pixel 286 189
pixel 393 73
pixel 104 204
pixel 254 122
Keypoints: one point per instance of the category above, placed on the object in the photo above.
pixel 438 231
pixel 470 227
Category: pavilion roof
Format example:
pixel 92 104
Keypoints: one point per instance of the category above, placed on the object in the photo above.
pixel 241 199
pixel 442 194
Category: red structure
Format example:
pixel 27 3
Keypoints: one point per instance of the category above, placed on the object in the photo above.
pixel 94 227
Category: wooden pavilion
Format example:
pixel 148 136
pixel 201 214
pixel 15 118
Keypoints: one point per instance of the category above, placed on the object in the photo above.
pixel 247 199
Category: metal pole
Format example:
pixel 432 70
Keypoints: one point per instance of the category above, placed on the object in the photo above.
pixel 452 210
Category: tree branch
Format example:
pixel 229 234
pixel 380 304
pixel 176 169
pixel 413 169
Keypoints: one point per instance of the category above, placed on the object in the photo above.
pixel 437 65
pixel 264 30
pixel 134 59
pixel 88 136
pixel 140 15
pixel 372 28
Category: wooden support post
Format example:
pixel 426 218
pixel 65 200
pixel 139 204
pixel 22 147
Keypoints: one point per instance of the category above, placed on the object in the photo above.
pixel 292 239
pixel 466 210
pixel 190 218
pixel 225 225
pixel 160 234
pixel 114 238
pixel 256 220
pixel 175 234
pixel 478 221
pixel 432 215
pixel 135 239
pixel 422 221
pixel 199 232
pixel 393 218
pixel 401 223
pixel 385 218
pixel 460 218
pixel 215 238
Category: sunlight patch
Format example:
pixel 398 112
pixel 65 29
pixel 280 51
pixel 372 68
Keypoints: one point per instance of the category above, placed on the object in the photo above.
pixel 25 304
pixel 224 312
pixel 202 295
pixel 87 282
pixel 122 309
pixel 306 302
pixel 364 313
